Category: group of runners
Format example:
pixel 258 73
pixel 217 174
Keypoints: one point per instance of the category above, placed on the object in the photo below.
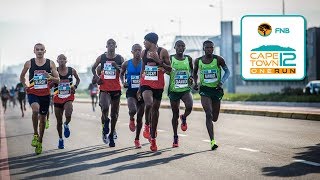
pixel 142 76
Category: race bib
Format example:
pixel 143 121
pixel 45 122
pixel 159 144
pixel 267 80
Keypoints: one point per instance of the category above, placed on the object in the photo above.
pixel 109 71
pixel 94 90
pixel 181 79
pixel 40 80
pixel 64 89
pixel 21 89
pixel 151 73
pixel 135 81
pixel 210 76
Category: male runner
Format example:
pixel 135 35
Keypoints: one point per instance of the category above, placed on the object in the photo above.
pixel 64 97
pixel 155 63
pixel 179 88
pixel 110 89
pixel 211 91
pixel 131 69
pixel 38 91
pixel 21 97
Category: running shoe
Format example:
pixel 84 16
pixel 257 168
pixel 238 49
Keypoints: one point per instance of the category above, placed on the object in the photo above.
pixel 175 142
pixel 111 142
pixel 213 145
pixel 132 125
pixel 153 145
pixel 137 144
pixel 66 130
pixel 38 149
pixel 146 131
pixel 61 144
pixel 35 140
pixel 184 125
pixel 47 124
pixel 115 135
pixel 106 126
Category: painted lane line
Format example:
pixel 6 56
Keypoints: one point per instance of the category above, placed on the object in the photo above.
pixel 307 162
pixel 248 149
pixel 5 172
pixel 160 130
pixel 182 135
pixel 206 140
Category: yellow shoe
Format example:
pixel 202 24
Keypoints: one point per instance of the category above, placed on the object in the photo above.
pixel 47 124
pixel 35 140
pixel 213 145
pixel 38 149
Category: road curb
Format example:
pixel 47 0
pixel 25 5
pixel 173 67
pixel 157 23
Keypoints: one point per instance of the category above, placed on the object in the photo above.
pixel 268 113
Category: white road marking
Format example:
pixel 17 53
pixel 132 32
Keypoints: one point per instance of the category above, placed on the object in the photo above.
pixel 306 162
pixel 160 130
pixel 248 149
pixel 182 135
pixel 206 140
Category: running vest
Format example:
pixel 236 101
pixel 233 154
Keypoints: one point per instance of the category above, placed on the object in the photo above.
pixel 37 80
pixel 109 74
pixel 153 75
pixel 179 76
pixel 133 75
pixel 62 91
pixel 20 88
pixel 210 74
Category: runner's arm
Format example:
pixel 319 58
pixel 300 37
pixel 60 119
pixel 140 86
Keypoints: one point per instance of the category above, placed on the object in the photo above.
pixel 55 75
pixel 94 67
pixel 225 68
pixel 123 71
pixel 26 67
pixel 75 74
pixel 165 59
pixel 195 73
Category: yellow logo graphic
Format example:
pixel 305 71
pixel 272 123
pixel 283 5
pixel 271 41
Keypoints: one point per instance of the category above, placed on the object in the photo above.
pixel 264 29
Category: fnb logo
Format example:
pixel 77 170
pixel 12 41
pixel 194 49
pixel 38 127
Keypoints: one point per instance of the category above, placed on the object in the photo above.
pixel 282 30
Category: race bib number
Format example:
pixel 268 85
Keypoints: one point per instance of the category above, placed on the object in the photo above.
pixel 135 81
pixel 210 76
pixel 109 71
pixel 94 90
pixel 21 89
pixel 181 79
pixel 64 89
pixel 151 73
pixel 40 80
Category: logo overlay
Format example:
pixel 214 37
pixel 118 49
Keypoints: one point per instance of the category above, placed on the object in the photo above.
pixel 273 47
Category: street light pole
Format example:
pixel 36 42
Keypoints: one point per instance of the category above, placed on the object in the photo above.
pixel 179 24
pixel 283 7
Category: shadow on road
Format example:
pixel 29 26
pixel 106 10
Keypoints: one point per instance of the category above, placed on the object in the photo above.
pixel 56 163
pixel 297 168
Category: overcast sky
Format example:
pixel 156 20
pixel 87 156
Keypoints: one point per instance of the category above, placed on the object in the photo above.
pixel 80 28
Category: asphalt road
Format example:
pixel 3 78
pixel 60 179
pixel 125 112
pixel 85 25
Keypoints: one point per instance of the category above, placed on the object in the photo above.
pixel 250 147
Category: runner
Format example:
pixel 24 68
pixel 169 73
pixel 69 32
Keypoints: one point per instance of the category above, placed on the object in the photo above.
pixel 211 91
pixel 12 93
pixel 131 69
pixel 21 97
pixel 38 91
pixel 93 90
pixel 64 97
pixel 179 88
pixel 155 63
pixel 5 95
pixel 110 89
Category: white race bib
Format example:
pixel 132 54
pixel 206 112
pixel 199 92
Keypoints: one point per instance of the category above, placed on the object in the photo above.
pixel 151 73
pixel 109 71
pixel 64 89
pixel 40 80
pixel 210 76
pixel 181 79
pixel 135 81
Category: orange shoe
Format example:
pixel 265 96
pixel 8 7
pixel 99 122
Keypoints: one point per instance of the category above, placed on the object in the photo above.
pixel 184 125
pixel 137 144
pixel 175 142
pixel 146 131
pixel 132 125
pixel 153 146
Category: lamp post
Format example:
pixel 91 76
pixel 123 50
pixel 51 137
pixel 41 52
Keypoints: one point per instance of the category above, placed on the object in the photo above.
pixel 283 7
pixel 221 9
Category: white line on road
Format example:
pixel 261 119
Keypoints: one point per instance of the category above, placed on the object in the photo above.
pixel 206 140
pixel 182 135
pixel 248 149
pixel 160 130
pixel 306 162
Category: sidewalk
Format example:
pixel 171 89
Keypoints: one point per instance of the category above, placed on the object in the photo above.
pixel 308 111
